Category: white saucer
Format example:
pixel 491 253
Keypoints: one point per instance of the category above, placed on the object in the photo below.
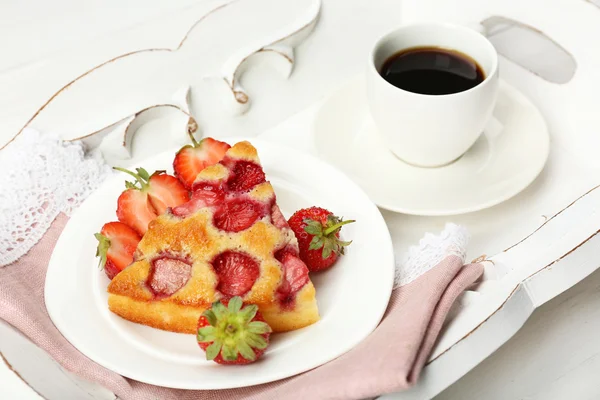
pixel 491 172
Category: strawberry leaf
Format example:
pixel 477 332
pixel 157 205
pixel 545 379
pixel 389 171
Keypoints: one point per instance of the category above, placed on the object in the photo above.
pixel 210 317
pixel 256 341
pixel 219 309
pixel 327 249
pixel 130 185
pixel 246 351
pixel 213 350
pixel 248 312
pixel 313 227
pixel 143 174
pixel 316 243
pixel 102 249
pixel 206 334
pixel 259 327
pixel 229 352
pixel 235 304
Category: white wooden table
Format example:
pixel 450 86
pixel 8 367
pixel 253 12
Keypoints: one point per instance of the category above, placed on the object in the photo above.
pixel 46 46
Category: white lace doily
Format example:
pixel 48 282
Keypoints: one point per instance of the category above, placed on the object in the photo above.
pixel 430 251
pixel 41 177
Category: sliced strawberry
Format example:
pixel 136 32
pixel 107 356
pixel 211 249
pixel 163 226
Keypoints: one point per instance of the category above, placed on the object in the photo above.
pixel 204 195
pixel 192 159
pixel 246 175
pixel 116 244
pixel 237 273
pixel 147 197
pixel 134 209
pixel 295 276
pixel 166 191
pixel 111 270
pixel 237 215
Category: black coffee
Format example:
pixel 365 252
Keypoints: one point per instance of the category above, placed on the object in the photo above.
pixel 432 70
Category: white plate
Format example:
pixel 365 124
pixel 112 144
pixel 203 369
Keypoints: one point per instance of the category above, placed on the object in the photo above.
pixel 352 296
pixel 491 172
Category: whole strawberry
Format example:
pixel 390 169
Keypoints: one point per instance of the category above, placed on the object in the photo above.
pixel 318 234
pixel 233 333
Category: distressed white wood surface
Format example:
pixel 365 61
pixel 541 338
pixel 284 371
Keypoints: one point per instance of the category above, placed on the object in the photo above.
pixel 13 386
pixel 41 372
pixel 207 60
pixel 336 42
pixel 556 356
pixel 32 32
pixel 339 28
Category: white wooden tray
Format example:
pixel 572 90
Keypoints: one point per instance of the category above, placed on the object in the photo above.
pixel 539 243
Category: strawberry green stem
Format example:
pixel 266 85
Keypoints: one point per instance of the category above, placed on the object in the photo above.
pixel 337 226
pixel 142 182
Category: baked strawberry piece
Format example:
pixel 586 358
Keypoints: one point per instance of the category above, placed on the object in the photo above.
pixel 318 234
pixel 148 197
pixel 236 271
pixel 295 276
pixel 203 195
pixel 116 244
pixel 245 175
pixel 191 159
pixel 233 333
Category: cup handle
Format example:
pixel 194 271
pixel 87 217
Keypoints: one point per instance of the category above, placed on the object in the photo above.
pixel 493 128
pixel 477 26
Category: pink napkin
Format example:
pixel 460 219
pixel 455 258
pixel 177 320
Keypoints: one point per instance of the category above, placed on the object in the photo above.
pixel 390 359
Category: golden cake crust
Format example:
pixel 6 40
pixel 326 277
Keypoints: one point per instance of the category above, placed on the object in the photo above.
pixel 163 315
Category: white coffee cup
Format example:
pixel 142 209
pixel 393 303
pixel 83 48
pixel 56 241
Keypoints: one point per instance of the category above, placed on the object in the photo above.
pixel 432 130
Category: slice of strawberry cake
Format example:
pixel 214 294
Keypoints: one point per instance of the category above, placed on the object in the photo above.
pixel 230 239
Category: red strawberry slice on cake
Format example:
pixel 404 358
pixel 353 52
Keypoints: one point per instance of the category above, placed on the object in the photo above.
pixel 245 176
pixel 236 271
